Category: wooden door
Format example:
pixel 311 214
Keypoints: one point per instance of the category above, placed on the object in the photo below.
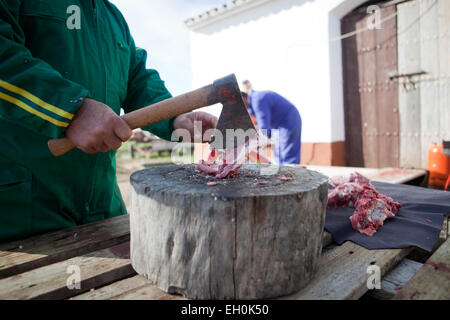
pixel 370 95
pixel 424 78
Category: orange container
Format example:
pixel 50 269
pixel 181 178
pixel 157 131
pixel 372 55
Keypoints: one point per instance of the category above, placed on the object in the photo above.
pixel 438 165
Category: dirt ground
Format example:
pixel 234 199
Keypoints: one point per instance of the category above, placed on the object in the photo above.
pixel 125 167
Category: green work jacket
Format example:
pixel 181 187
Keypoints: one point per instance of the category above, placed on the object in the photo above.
pixel 54 54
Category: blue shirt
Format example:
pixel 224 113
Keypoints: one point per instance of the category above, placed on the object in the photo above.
pixel 270 109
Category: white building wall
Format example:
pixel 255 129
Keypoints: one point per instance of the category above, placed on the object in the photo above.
pixel 281 45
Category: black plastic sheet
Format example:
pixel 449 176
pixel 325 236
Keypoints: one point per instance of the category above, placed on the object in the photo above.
pixel 418 223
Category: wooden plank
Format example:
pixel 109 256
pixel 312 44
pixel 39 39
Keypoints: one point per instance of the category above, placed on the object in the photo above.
pixel 352 96
pixel 429 91
pixel 444 66
pixel 23 255
pixel 391 175
pixel 50 282
pixel 432 281
pixel 138 287
pixel 409 92
pixel 343 274
pixel 385 90
pixel 148 292
pixel 134 288
pixel 112 290
pixel 368 69
pixel 396 279
pixel 331 171
pixel 423 46
pixel 397 175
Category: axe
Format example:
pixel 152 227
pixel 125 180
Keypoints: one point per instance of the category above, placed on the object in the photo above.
pixel 225 90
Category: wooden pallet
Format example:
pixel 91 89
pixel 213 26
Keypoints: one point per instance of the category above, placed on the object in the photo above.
pixel 432 281
pixel 390 175
pixel 37 268
pixel 23 255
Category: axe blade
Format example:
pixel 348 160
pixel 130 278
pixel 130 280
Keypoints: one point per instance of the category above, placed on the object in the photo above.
pixel 235 126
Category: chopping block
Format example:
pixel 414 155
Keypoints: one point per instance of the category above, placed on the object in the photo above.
pixel 252 236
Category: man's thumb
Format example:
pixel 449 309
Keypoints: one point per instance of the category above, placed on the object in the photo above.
pixel 122 130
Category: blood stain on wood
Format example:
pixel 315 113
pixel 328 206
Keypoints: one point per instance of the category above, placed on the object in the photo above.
pixel 121 251
pixel 439 266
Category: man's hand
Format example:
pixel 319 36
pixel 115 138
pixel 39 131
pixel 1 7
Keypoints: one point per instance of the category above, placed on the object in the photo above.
pixel 186 121
pixel 96 128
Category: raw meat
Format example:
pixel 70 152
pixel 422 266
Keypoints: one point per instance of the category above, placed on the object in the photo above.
pixel 371 207
pixel 231 160
pixel 346 190
pixel 353 177
pixel 209 166
pixel 346 193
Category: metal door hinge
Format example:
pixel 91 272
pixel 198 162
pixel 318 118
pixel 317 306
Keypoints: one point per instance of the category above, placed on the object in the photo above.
pixel 395 75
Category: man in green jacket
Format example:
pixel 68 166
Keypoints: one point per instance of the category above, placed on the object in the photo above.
pixel 66 69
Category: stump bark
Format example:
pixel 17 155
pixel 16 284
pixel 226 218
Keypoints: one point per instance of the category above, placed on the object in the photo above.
pixel 238 239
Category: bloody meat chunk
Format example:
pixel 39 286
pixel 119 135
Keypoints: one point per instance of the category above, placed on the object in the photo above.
pixel 208 167
pixel 232 161
pixel 353 177
pixel 226 163
pixel 371 207
pixel 346 194
pixel 346 190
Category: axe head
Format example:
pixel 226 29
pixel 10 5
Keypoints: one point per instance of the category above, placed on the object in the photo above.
pixel 234 126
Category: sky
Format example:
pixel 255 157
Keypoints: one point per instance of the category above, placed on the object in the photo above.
pixel 158 27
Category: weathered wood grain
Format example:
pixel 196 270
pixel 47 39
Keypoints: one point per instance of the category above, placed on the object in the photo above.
pixel 444 67
pixel 148 292
pixel 391 175
pixel 432 281
pixel 112 290
pixel 396 279
pixel 423 46
pixel 368 68
pixel 409 88
pixel 370 96
pixel 343 273
pixel 237 240
pixel 50 282
pixel 327 239
pixel 351 59
pixel 429 91
pixel 385 90
pixel 23 255
pixel 133 288
pixel 138 287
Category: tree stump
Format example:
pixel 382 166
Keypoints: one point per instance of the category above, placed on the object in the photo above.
pixel 252 236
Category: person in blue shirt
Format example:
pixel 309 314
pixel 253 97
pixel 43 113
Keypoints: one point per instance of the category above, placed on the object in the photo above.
pixel 272 111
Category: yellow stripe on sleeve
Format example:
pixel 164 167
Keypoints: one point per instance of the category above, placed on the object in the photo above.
pixel 36 100
pixel 26 107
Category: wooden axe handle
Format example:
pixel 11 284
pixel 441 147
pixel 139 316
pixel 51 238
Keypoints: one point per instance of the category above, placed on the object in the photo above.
pixel 157 112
